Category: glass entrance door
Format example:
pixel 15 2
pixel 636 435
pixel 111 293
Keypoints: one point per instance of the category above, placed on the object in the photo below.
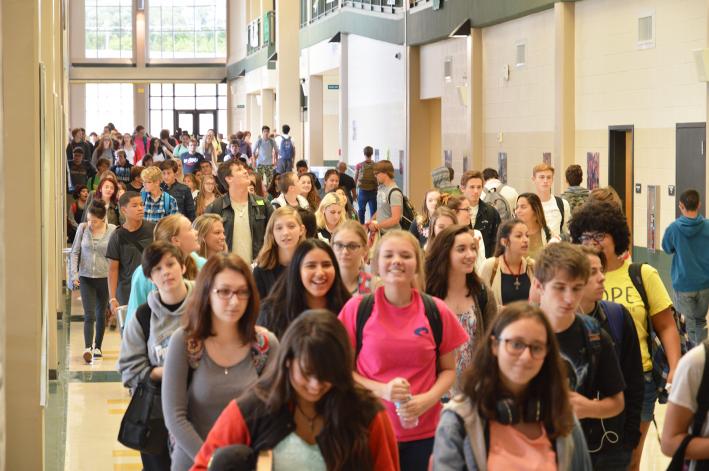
pixel 196 121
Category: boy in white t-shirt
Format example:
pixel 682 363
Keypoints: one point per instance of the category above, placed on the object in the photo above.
pixel 682 406
pixel 556 210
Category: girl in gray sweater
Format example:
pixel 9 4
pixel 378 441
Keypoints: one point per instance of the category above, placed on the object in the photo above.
pixel 215 356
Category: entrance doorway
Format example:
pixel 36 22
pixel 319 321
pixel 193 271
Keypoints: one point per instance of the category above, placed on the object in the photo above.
pixel 620 168
pixel 196 121
pixel 691 161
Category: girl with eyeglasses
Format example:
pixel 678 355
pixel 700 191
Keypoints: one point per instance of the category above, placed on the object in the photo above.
pixel 349 242
pixel 284 232
pixel 461 206
pixel 514 412
pixel 311 281
pixel 306 408
pixel 215 355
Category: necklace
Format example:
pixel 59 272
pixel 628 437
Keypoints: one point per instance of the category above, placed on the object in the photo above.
pixel 311 420
pixel 516 275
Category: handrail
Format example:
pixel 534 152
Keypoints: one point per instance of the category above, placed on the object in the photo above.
pixel 315 10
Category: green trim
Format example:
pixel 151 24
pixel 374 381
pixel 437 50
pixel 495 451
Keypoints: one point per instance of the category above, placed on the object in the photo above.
pixel 660 260
pixel 94 377
pixel 383 27
pixel 249 63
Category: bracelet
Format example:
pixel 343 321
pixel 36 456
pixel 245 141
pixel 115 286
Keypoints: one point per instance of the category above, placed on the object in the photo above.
pixel 112 299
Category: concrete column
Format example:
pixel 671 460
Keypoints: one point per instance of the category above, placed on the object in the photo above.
pixel 344 98
pixel 315 119
pixel 267 106
pixel 419 125
pixel 140 104
pixel 252 115
pixel 287 70
pixel 475 86
pixel 564 76
pixel 21 255
pixel 140 45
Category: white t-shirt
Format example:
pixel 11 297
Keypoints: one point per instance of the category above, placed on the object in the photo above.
pixel 553 216
pixel 507 192
pixel 685 385
pixel 241 235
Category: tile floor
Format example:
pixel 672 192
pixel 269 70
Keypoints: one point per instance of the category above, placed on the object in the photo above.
pixel 87 402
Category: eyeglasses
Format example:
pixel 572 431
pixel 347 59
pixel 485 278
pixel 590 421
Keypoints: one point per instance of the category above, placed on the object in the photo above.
pixel 226 294
pixel 351 247
pixel 592 236
pixel 516 347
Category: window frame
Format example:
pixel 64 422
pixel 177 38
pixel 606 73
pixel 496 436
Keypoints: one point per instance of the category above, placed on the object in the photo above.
pixel 85 31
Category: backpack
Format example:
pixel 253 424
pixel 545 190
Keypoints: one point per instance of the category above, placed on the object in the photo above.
pixel 499 202
pixel 678 462
pixel 660 365
pixel 560 205
pixel 165 200
pixel 592 341
pixel 616 320
pixel 575 199
pixel 364 311
pixel 408 213
pixel 367 180
pixel 286 149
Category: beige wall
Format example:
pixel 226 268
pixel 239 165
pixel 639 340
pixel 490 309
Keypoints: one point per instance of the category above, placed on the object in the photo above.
pixel 652 89
pixel 521 109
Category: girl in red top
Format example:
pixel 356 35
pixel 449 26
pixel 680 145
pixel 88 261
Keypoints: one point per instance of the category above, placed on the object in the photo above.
pixel 307 408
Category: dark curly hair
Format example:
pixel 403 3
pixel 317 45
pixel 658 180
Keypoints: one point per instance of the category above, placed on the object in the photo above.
pixel 596 216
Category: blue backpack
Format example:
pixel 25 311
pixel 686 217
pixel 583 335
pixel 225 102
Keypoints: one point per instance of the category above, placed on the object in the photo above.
pixel 286 149
pixel 616 319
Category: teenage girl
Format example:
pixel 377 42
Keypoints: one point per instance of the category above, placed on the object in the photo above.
pixel 349 242
pixel 330 214
pixel 529 210
pixel 421 227
pixel 210 235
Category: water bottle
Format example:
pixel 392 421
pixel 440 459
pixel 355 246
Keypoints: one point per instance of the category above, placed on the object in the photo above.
pixel 406 422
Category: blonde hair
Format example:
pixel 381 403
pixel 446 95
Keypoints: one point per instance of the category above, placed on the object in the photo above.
pixel 203 225
pixel 419 278
pixel 351 225
pixel 268 255
pixel 543 167
pixel 169 227
pixel 151 174
pixel 329 200
pixel 199 201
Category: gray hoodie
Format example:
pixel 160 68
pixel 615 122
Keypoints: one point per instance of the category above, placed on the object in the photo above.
pixel 136 358
pixel 460 442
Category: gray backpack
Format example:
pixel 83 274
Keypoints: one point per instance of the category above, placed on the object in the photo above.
pixel 499 202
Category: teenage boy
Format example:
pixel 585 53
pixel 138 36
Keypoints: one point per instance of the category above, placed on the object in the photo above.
pixel 125 248
pixel 183 146
pixel 286 152
pixel 191 159
pixel 245 215
pixel 616 321
pixel 290 193
pixel 575 194
pixel 147 334
pixel 301 167
pixel 442 178
pixel 556 209
pixel 485 218
pixel 596 382
pixel 688 238
pixel 232 152
pixel 367 185
pixel 80 170
pixel 390 199
pixel 77 142
pixel 265 154
pixel 157 203
pixel 346 181
pixel 179 191
pixel 136 183
pixel 122 169
pixel 493 185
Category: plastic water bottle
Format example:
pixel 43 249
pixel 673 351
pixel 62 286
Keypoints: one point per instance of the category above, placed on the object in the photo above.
pixel 406 422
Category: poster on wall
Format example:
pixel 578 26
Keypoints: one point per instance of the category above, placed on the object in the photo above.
pixel 653 212
pixel 592 176
pixel 465 164
pixel 448 158
pixel 376 155
pixel 502 166
pixel 546 158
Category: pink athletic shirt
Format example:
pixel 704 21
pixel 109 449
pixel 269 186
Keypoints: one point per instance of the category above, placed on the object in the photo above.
pixel 398 342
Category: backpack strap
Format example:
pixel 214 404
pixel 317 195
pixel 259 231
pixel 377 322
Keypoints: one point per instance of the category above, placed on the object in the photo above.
pixel 364 310
pixel 392 191
pixel 143 318
pixel 434 320
pixel 702 395
pixel 494 269
pixel 260 349
pixel 616 319
pixel 482 300
pixel 593 349
pixel 560 205
pixel 636 276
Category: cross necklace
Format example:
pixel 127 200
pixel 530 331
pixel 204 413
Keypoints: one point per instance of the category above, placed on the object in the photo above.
pixel 516 275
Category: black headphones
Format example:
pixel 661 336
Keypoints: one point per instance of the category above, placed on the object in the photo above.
pixel 508 411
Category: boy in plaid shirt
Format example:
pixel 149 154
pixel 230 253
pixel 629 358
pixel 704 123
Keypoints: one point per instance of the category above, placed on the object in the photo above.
pixel 156 202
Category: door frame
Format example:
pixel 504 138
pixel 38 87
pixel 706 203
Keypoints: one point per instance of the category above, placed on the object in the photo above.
pixel 195 118
pixel 629 165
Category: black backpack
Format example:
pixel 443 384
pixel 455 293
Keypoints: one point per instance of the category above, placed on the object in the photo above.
pixel 408 213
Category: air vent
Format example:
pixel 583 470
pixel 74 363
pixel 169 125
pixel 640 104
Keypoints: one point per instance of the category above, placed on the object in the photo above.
pixel 520 54
pixel 646 31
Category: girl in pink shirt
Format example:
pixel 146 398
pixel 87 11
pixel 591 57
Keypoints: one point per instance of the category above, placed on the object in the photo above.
pixel 399 359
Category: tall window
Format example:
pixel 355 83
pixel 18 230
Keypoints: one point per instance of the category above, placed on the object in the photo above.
pixel 109 103
pixel 108 29
pixel 187 29
pixel 194 107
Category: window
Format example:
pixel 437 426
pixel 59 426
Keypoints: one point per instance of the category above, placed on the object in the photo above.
pixel 188 29
pixel 646 31
pixel 197 104
pixel 520 54
pixel 108 29
pixel 109 102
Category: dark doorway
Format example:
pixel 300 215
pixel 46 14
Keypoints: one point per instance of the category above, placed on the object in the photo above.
pixel 620 167
pixel 197 122
pixel 691 161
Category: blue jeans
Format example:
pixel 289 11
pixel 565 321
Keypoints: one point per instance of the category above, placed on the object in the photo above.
pixel 415 455
pixel 694 306
pixel 94 299
pixel 284 165
pixel 365 197
pixel 649 398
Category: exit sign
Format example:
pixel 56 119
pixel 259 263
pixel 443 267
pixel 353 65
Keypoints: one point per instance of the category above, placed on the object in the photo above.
pixel 333 86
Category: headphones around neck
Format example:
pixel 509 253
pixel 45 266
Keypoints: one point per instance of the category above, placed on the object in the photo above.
pixel 508 412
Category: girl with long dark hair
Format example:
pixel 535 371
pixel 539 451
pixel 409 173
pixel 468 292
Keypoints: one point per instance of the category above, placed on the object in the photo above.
pixel 450 276
pixel 421 227
pixel 308 190
pixel 514 412
pixel 311 281
pixel 307 407
pixel 215 356
pixel 530 211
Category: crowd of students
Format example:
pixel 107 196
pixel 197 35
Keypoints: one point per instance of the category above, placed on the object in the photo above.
pixel 493 330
